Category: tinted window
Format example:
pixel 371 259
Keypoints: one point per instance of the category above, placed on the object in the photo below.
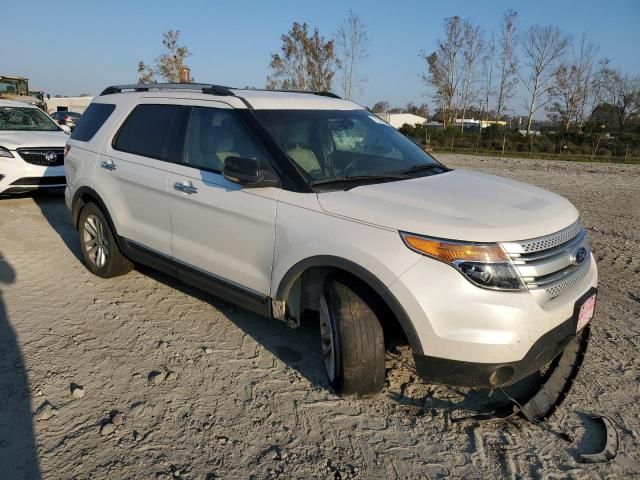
pixel 154 131
pixel 214 134
pixel 93 118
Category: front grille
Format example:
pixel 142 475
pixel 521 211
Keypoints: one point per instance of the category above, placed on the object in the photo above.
pixel 40 181
pixel 38 156
pixel 549 265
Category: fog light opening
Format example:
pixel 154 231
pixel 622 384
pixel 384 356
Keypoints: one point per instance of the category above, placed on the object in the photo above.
pixel 501 376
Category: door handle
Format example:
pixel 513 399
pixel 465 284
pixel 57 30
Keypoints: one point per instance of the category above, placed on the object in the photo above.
pixel 108 165
pixel 185 188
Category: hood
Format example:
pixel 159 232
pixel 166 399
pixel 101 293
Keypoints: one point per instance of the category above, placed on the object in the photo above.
pixel 13 139
pixel 457 205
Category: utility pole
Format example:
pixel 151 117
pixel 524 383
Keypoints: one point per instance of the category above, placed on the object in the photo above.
pixel 480 125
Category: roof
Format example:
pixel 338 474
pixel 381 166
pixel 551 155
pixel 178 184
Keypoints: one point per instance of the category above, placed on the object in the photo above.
pixel 13 103
pixel 270 99
pixel 238 97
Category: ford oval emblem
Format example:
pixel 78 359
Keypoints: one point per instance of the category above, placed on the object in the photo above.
pixel 51 157
pixel 579 256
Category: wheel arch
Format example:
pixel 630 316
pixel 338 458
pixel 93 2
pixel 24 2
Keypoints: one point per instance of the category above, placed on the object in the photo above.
pixel 83 196
pixel 324 265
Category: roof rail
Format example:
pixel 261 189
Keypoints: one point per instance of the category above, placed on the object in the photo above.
pixel 146 87
pixel 202 87
pixel 322 93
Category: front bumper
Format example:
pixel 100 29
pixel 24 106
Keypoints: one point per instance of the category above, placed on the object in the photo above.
pixel 18 176
pixel 491 375
pixel 457 321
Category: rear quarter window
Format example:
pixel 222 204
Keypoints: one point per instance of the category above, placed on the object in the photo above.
pixel 93 118
pixel 154 131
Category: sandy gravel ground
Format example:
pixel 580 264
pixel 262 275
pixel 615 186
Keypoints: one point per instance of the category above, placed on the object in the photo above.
pixel 171 383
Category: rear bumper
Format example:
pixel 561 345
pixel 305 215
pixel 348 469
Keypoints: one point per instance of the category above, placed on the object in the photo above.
pixel 491 375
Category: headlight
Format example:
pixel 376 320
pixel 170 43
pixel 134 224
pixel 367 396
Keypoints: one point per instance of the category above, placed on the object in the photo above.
pixel 5 153
pixel 483 264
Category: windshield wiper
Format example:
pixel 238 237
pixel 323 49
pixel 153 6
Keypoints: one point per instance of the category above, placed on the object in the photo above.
pixel 359 178
pixel 421 167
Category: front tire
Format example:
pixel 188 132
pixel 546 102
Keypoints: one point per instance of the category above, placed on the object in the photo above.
pixel 98 245
pixel 352 337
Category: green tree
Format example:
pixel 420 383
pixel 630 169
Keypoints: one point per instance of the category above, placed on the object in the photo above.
pixel 168 64
pixel 306 61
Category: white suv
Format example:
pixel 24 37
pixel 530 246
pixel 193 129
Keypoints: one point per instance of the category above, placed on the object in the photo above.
pixel 286 202
pixel 31 149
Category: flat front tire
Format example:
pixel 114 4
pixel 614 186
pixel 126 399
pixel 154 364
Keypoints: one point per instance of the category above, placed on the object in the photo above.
pixel 98 245
pixel 352 337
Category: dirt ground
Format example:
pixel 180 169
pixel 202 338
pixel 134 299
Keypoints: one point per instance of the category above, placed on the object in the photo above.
pixel 172 383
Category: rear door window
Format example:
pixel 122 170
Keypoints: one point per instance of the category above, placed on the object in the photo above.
pixel 93 118
pixel 155 131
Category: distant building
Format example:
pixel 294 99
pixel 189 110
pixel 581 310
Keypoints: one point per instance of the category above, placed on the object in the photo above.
pixel 67 104
pixel 472 123
pixel 397 120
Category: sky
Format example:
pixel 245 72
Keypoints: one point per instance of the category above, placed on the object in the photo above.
pixel 82 47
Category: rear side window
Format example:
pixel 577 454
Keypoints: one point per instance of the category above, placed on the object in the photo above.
pixel 93 118
pixel 155 131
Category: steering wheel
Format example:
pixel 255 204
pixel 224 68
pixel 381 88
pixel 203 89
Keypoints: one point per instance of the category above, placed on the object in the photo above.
pixel 371 160
pixel 352 163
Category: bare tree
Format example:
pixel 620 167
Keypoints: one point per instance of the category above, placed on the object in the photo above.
pixel 508 61
pixel 542 47
pixel 380 107
pixel 421 110
pixel 620 91
pixel 443 68
pixel 487 74
pixel 569 90
pixel 587 58
pixel 473 46
pixel 167 65
pixel 352 41
pixel 306 62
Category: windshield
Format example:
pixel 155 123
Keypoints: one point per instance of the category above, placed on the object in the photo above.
pixel 339 144
pixel 21 118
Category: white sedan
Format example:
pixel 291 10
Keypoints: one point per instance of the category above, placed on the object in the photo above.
pixel 31 149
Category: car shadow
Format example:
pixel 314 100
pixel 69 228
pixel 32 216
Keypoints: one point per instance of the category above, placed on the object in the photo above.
pixel 54 210
pixel 18 454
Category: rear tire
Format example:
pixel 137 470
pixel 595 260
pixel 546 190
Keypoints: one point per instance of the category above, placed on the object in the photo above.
pixel 98 245
pixel 352 337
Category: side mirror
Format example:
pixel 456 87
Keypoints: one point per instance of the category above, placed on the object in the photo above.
pixel 66 129
pixel 247 172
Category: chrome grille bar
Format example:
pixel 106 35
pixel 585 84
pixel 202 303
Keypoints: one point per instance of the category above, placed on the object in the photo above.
pixel 549 264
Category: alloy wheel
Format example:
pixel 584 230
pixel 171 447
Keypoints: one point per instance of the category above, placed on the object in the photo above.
pixel 95 241
pixel 327 338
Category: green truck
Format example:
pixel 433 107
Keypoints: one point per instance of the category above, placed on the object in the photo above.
pixel 17 88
